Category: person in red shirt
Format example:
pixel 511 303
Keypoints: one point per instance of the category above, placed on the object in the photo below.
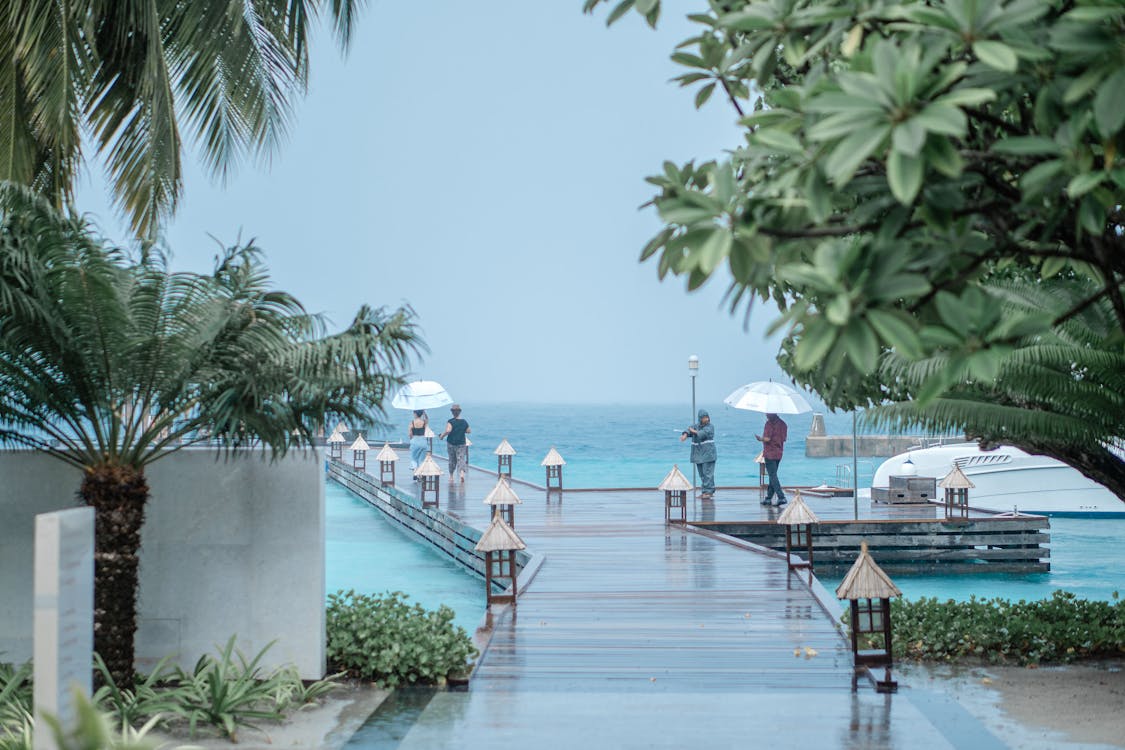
pixel 773 445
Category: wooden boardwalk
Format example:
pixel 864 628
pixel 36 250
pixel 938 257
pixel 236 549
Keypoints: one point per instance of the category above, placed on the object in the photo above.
pixel 623 599
pixel 634 634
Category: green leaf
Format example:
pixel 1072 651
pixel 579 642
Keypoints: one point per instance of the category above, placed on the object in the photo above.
pixel 852 41
pixel 943 118
pixel 952 312
pixel 862 345
pixel 750 19
pixel 839 310
pixel 908 137
pixel 1026 145
pixel 778 140
pixel 996 55
pixel 1084 183
pixel 896 332
pixel 1051 267
pixel 943 157
pixel 675 212
pixel 813 344
pixel 1036 179
pixel 1091 215
pixel 971 97
pixel 903 286
pixel 904 174
pixel 853 151
pixel 714 250
pixel 704 94
pixel 984 365
pixel 1109 104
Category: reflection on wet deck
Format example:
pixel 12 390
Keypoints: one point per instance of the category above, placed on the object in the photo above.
pixel 634 633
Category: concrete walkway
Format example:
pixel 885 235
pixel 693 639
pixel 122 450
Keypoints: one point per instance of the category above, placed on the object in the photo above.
pixel 638 634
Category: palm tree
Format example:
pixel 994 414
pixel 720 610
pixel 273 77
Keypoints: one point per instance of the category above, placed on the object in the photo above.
pixel 109 364
pixel 1060 395
pixel 131 75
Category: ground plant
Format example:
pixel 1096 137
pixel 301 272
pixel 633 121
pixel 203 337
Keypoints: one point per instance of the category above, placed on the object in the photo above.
pixel 225 690
pixel 1058 629
pixel 388 640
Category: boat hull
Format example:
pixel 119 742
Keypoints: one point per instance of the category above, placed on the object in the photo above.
pixel 1008 479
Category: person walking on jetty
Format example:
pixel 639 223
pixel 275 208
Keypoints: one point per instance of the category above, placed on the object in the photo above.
pixel 773 439
pixel 703 452
pixel 454 436
pixel 418 443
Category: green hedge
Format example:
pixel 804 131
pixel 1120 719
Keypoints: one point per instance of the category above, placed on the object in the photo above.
pixel 1061 628
pixel 385 639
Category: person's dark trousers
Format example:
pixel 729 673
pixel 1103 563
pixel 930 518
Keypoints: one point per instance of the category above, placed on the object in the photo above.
pixel 707 477
pixel 774 487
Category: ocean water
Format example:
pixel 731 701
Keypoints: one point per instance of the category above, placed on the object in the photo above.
pixel 371 554
pixel 635 446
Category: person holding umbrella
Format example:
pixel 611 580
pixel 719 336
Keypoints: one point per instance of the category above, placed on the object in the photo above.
pixel 703 453
pixel 773 446
pixel 771 399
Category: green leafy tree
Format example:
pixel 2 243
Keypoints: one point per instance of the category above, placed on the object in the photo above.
pixel 126 78
pixel 930 194
pixel 109 364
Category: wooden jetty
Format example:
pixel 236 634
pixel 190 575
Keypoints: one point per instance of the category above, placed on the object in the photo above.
pixel 629 632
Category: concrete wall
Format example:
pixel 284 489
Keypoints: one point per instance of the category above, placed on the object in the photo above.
pixel 828 446
pixel 228 547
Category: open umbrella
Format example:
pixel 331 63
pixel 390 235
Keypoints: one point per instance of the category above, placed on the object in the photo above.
pixel 421 394
pixel 768 397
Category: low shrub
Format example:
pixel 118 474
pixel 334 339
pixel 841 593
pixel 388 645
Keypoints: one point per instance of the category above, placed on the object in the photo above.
pixel 385 639
pixel 1061 628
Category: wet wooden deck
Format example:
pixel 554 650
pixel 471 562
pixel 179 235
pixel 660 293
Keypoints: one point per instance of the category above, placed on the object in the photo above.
pixel 637 634
pixel 622 599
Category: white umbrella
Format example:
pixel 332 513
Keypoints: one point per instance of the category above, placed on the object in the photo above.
pixel 768 397
pixel 421 394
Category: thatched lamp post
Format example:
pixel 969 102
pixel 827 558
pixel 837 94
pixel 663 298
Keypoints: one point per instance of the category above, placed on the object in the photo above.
pixel 336 446
pixel 499 543
pixel 359 453
pixel 675 487
pixel 798 520
pixel 342 427
pixel 387 459
pixel 428 474
pixel 503 501
pixel 429 435
pixel 554 463
pixel 956 486
pixel 868 591
pixel 504 453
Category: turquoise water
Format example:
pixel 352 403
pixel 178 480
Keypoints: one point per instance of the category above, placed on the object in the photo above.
pixel 634 446
pixel 371 554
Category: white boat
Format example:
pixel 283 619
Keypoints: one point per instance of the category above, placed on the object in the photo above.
pixel 1009 479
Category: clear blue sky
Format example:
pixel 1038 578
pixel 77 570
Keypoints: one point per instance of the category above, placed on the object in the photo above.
pixel 485 163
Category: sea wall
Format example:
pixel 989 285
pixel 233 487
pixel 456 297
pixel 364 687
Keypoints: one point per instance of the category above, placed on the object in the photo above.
pixel 228 547
pixel 829 446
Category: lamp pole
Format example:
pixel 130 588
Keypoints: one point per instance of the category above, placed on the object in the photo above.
pixel 693 371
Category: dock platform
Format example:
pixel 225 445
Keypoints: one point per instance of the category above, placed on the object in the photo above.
pixel 636 633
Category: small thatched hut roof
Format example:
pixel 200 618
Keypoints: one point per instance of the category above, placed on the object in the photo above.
pixel 956 480
pixel 360 444
pixel 797 513
pixel 505 449
pixel 866 580
pixel 499 537
pixel 429 467
pixel 386 453
pixel 554 458
pixel 502 494
pixel 675 481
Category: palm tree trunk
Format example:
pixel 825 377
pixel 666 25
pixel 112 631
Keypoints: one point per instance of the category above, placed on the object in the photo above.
pixel 118 495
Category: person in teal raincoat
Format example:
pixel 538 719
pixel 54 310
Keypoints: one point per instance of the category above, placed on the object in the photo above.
pixel 703 452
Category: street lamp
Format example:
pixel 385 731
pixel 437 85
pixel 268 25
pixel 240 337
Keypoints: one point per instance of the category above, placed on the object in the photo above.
pixel 693 370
